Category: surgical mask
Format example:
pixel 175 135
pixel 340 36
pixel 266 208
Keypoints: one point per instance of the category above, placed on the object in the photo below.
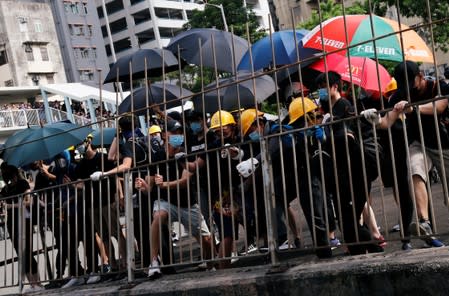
pixel 254 136
pixel 196 127
pixel 176 140
pixel 323 94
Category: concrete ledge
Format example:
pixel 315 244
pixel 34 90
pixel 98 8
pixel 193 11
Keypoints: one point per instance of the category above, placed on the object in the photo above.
pixel 418 272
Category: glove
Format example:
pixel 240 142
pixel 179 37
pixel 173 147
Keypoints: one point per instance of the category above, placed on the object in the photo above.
pixel 96 176
pixel 180 156
pixel 247 167
pixel 318 133
pixel 371 116
pixel 224 152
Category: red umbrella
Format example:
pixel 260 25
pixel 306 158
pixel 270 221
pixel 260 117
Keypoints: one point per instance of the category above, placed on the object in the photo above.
pixel 363 70
pixel 360 30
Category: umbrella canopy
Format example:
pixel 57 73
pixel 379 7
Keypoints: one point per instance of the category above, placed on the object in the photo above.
pixel 285 45
pixel 107 134
pixel 233 95
pixel 156 93
pixel 362 71
pixel 36 143
pixel 198 47
pixel 152 61
pixel 359 29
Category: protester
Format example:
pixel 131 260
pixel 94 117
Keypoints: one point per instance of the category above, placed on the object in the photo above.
pixel 413 85
pixel 170 183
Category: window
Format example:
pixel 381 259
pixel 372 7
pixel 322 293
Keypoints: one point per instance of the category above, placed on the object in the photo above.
pixel 38 27
pixel 67 7
pixel 89 31
pixel 93 53
pixel 50 78
pixel 85 11
pixel 85 53
pixel 29 52
pixel 86 75
pixel 3 57
pixel 76 30
pixel 74 8
pixel 23 21
pixel 35 78
pixel 44 53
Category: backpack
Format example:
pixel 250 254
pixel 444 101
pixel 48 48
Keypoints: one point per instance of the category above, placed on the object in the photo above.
pixel 141 149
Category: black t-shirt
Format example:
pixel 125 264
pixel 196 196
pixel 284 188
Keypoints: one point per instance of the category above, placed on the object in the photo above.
pixel 83 171
pixel 429 128
pixel 171 171
pixel 19 187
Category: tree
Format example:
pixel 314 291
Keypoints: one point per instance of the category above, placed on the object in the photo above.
pixel 237 18
pixel 329 9
pixel 439 12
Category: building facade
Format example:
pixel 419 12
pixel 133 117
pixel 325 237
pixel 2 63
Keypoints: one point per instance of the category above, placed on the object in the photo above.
pixel 29 47
pixel 82 47
pixel 135 24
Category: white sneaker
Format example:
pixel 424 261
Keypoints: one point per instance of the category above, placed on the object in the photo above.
pixel 251 249
pixel 154 270
pixel 93 279
pixel 32 289
pixel 286 245
pixel 235 257
pixel 76 281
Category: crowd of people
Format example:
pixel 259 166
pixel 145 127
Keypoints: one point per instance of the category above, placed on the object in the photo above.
pixel 239 168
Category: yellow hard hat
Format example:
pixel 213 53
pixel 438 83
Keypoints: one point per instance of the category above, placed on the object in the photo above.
pixel 154 129
pixel 391 86
pixel 90 136
pixel 297 109
pixel 247 118
pixel 221 118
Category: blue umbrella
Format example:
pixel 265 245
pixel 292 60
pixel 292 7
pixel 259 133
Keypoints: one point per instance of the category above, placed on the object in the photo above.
pixel 285 48
pixel 36 143
pixel 108 135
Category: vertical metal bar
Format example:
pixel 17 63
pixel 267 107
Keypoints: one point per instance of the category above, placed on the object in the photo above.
pixel 130 260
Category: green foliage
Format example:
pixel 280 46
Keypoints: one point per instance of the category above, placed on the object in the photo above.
pixel 237 19
pixel 329 9
pixel 439 12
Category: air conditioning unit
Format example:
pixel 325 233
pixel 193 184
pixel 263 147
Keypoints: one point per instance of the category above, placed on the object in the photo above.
pixel 23 20
pixel 35 78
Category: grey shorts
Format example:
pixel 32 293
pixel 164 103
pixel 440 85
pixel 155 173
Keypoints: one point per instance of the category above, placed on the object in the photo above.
pixel 432 158
pixel 186 216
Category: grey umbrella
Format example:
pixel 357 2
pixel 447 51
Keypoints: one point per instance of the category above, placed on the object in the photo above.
pixel 240 91
pixel 167 95
pixel 152 61
pixel 198 47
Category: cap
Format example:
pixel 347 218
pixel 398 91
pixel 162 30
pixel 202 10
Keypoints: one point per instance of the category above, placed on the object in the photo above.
pixel 173 125
pixel 193 114
pixel 399 74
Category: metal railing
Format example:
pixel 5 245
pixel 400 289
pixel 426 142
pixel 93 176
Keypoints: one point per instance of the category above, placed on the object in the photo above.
pixel 300 185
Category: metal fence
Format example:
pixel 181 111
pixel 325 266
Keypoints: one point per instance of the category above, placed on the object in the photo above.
pixel 243 185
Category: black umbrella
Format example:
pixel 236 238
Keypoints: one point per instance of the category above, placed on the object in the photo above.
pixel 157 94
pixel 233 96
pixel 196 47
pixel 153 61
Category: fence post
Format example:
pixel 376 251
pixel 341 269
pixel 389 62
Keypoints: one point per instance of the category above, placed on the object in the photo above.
pixel 129 222
pixel 270 202
pixel 22 241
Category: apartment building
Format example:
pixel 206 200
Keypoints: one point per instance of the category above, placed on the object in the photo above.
pixel 138 24
pixel 29 48
pixel 79 34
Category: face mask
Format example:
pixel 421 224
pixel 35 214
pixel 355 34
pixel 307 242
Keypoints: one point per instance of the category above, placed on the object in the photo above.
pixel 254 136
pixel 322 93
pixel 196 127
pixel 176 140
